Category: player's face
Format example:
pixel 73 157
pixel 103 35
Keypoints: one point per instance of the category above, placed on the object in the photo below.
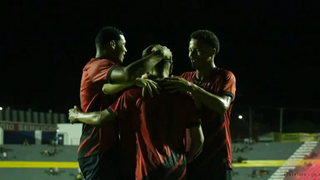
pixel 121 48
pixel 200 54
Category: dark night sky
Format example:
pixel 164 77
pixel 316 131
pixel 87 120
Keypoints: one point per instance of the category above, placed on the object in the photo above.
pixel 269 45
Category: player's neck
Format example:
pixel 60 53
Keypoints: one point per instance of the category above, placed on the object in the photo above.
pixel 104 55
pixel 101 55
pixel 206 71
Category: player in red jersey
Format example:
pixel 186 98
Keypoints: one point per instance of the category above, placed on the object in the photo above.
pixel 152 129
pixel 98 150
pixel 213 89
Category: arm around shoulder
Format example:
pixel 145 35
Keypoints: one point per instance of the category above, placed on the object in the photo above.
pixel 219 103
pixel 135 69
pixel 116 88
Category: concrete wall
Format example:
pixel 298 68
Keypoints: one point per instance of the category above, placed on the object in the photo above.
pixel 71 133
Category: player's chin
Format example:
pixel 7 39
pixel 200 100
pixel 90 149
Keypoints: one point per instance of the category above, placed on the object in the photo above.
pixel 121 59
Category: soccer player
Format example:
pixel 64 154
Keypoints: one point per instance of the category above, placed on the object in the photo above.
pixel 152 129
pixel 213 89
pixel 98 150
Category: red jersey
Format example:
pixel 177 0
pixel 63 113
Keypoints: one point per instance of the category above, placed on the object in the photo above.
pixel 215 126
pixel 96 139
pixel 155 127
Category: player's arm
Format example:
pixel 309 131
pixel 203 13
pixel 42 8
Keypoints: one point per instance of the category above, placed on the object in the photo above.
pixel 92 118
pixel 146 85
pixel 218 103
pixel 193 123
pixel 116 88
pixel 197 140
pixel 135 69
pixel 109 72
pixel 118 108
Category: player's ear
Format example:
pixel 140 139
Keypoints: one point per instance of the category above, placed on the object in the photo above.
pixel 171 69
pixel 113 44
pixel 213 51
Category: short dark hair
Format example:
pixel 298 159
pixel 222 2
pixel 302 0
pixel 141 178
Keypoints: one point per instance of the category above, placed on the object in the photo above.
pixel 107 34
pixel 162 64
pixel 208 37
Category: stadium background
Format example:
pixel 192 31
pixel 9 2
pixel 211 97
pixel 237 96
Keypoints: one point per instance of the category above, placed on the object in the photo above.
pixel 270 46
pixel 274 154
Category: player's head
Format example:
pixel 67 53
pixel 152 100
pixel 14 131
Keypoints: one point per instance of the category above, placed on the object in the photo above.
pixel 203 47
pixel 164 67
pixel 110 42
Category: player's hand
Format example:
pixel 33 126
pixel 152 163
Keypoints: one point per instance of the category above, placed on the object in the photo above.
pixel 147 85
pixel 165 52
pixel 145 76
pixel 73 113
pixel 175 84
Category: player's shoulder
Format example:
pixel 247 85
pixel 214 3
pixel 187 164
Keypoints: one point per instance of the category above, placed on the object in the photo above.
pixel 99 62
pixel 188 74
pixel 225 73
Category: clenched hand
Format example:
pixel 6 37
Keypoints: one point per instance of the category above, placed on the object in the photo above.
pixel 73 114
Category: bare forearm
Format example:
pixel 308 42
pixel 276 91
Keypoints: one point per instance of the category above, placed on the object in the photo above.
pixel 194 151
pixel 212 101
pixel 115 88
pixel 197 140
pixel 142 66
pixel 92 118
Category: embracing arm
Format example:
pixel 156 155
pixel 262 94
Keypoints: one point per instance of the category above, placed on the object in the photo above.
pixel 95 118
pixel 135 69
pixel 115 88
pixel 217 103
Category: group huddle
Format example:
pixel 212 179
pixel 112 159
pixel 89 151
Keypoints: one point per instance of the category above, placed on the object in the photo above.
pixel 142 123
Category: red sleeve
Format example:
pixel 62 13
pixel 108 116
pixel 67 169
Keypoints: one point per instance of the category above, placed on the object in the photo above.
pixel 193 117
pixel 184 75
pixel 123 107
pixel 229 85
pixel 100 70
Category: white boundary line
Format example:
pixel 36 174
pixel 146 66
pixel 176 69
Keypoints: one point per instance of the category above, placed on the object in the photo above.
pixel 304 150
